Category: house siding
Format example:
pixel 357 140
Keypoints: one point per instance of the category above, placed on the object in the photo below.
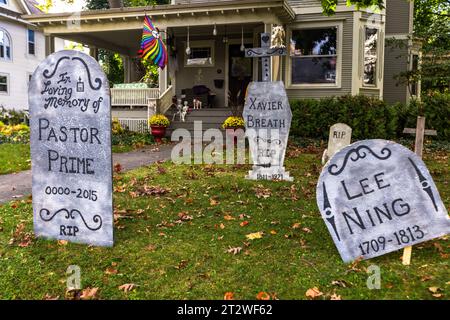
pixel 398 13
pixel 396 62
pixel 398 24
pixel 20 66
pixel 347 45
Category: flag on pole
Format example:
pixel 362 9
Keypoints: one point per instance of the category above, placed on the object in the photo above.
pixel 152 47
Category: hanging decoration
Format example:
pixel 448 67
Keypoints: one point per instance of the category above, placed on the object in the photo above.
pixel 242 40
pixel 215 30
pixel 152 46
pixel 188 46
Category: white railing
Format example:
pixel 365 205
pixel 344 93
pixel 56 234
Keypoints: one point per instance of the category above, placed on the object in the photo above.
pixel 133 97
pixel 165 101
pixel 135 124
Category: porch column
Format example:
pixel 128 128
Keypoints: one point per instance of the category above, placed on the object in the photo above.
pixel 163 73
pixel 49 44
pixel 93 52
pixel 126 69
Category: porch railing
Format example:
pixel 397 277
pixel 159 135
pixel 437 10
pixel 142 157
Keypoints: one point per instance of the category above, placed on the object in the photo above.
pixel 133 96
pixel 165 101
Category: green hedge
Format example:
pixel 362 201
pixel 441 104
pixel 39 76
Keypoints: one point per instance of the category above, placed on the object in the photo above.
pixel 369 118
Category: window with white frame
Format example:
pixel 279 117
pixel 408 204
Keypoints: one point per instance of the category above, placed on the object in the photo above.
pixel 201 54
pixel 314 56
pixel 31 42
pixel 370 56
pixel 5 45
pixel 4 83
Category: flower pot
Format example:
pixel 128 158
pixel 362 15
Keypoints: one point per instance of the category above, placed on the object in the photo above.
pixel 158 132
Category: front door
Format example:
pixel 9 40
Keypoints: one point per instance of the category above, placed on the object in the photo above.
pixel 240 73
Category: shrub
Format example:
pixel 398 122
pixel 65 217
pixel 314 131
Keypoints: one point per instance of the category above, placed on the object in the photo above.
pixel 233 122
pixel 369 118
pixel 159 120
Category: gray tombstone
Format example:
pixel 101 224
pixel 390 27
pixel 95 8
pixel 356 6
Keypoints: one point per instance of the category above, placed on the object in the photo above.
pixel 377 196
pixel 71 149
pixel 267 117
pixel 340 136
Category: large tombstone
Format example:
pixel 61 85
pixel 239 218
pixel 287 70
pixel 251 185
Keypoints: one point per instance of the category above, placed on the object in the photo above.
pixel 340 136
pixel 71 149
pixel 267 117
pixel 377 196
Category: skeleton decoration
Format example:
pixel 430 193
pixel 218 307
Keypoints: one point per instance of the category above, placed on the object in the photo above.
pixel 278 35
pixel 184 111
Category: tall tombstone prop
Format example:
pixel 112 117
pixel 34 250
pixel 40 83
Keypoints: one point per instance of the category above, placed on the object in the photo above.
pixel 377 196
pixel 71 150
pixel 267 116
pixel 340 136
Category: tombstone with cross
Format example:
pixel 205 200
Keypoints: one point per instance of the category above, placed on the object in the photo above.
pixel 267 117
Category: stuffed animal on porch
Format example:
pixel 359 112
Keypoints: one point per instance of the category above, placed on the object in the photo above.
pixel 197 104
pixel 184 111
pixel 278 35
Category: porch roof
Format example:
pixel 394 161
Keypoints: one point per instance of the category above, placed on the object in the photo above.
pixel 276 11
pixel 119 29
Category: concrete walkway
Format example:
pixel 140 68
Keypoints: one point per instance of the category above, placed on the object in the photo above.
pixel 18 185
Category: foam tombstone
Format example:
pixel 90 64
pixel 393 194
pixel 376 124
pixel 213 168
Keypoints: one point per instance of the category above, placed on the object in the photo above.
pixel 376 196
pixel 70 122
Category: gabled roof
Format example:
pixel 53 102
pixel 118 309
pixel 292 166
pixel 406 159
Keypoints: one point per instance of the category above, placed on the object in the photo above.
pixel 31 6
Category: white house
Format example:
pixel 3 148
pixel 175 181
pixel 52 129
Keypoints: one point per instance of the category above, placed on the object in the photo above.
pixel 22 47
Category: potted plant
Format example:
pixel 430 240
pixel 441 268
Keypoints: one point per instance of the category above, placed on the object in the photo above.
pixel 231 124
pixel 158 124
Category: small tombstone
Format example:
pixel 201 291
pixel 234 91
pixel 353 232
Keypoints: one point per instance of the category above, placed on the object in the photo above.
pixel 267 117
pixel 340 136
pixel 71 149
pixel 377 196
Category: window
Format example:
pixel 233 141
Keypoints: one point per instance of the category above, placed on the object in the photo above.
pixel 3 2
pixel 202 54
pixel 5 45
pixel 4 83
pixel 370 56
pixel 31 42
pixel 314 56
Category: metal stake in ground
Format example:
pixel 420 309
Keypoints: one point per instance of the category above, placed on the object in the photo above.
pixel 420 133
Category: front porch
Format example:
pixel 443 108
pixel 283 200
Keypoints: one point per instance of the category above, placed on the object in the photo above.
pixel 214 32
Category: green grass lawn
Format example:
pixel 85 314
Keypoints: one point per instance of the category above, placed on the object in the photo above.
pixel 175 224
pixel 14 157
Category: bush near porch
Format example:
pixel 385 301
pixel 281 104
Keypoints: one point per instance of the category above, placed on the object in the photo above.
pixel 369 117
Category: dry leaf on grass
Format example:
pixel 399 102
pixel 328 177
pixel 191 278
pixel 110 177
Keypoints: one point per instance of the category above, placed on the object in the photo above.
pixel 263 296
pixel 127 287
pixel 229 218
pixel 244 223
pixel 313 293
pixel 255 235
pixel 234 250
pixel 228 296
pixel 335 296
pixel 89 294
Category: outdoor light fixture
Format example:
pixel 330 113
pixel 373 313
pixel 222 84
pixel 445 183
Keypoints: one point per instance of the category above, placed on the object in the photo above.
pixel 188 47
pixel 242 40
pixel 215 30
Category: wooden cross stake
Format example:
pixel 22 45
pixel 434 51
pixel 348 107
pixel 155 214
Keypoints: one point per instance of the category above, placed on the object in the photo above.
pixel 420 133
pixel 265 52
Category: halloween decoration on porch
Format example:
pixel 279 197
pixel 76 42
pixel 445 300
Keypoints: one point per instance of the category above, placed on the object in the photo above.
pixel 278 35
pixel 152 46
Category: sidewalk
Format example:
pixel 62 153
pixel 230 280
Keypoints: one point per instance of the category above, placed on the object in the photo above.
pixel 18 185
